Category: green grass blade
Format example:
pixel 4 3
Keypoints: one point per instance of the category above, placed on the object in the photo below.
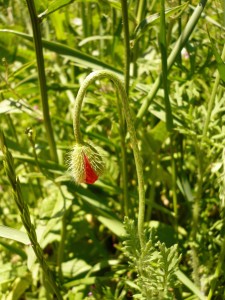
pixel 14 234
pixel 113 225
pixel 14 248
pixel 79 57
pixel 54 6
pixel 190 285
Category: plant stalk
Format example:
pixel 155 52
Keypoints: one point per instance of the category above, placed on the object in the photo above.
pixel 122 131
pixel 35 21
pixel 195 215
pixel 140 10
pixel 121 116
pixel 126 44
pixel 25 217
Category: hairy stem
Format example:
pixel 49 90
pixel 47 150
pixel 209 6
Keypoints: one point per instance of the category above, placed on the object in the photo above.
pixel 130 127
pixel 35 21
pixel 122 131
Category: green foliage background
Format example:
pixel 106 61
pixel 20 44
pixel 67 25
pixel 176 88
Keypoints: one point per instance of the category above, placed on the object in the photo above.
pixel 80 228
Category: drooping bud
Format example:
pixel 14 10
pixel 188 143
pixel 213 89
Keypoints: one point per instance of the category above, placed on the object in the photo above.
pixel 86 163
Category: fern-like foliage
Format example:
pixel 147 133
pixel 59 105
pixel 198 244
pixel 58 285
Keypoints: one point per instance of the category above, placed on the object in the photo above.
pixel 155 264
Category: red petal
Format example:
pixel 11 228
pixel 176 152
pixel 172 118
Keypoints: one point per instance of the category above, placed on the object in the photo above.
pixel 90 175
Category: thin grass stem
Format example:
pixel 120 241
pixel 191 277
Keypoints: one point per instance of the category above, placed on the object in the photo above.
pixel 25 217
pixel 126 44
pixel 140 9
pixel 122 120
pixel 35 21
pixel 168 110
pixel 141 5
pixel 195 215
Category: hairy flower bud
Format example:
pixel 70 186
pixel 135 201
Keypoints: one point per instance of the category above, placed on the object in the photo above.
pixel 86 164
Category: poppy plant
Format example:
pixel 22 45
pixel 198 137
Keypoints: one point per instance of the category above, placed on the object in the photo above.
pixel 87 170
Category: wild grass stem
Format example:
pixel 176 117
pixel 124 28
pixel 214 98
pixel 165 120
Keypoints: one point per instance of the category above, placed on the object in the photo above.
pixel 195 214
pixel 168 110
pixel 35 21
pixel 126 44
pixel 25 217
pixel 141 5
pixel 140 10
pixel 123 124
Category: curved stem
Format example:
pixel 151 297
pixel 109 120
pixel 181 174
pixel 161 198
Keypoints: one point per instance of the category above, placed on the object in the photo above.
pixel 130 127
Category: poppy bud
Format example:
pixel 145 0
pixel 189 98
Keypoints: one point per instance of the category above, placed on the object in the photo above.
pixel 86 163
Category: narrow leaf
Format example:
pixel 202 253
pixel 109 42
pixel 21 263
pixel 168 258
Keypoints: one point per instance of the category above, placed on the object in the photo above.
pixel 14 234
pixel 75 55
pixel 189 284
pixel 155 18
pixel 219 61
pixel 113 224
pixel 54 6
